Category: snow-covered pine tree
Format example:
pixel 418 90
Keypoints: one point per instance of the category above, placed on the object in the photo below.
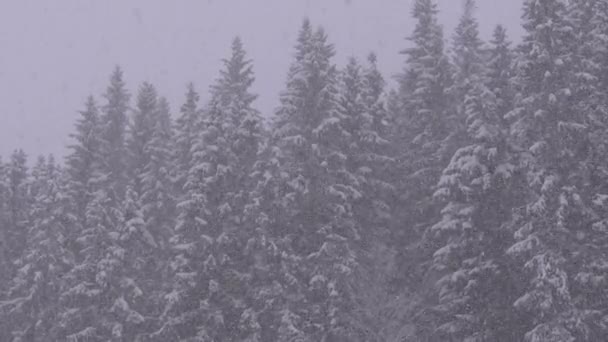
pixel 367 147
pixel 114 122
pixel 187 126
pixel 5 266
pixel 158 210
pixel 181 315
pixel 106 293
pixel 127 274
pixel 84 299
pixel 17 204
pixel 317 191
pixel 91 286
pixel 427 123
pixel 500 71
pixel 32 301
pixel 552 136
pixel 218 189
pixel 378 149
pixel 231 112
pixel 149 148
pixel 140 134
pixel 264 222
pixel 477 190
pixel 467 56
pixel 87 294
pixel 83 164
pixel 589 263
pixel 158 197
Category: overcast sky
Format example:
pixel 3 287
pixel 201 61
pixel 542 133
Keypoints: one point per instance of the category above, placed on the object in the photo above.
pixel 55 53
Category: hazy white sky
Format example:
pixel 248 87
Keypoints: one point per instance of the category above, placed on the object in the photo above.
pixel 55 53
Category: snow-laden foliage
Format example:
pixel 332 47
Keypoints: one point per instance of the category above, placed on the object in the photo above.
pixel 470 203
pixel 477 190
pixel 209 298
pixel 317 195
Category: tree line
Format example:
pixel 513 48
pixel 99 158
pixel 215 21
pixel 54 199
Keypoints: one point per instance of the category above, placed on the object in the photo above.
pixel 469 203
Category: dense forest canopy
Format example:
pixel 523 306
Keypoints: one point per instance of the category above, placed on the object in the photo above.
pixel 469 203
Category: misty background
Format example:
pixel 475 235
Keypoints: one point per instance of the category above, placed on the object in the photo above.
pixel 55 54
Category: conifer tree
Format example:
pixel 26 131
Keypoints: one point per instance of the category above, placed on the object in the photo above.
pixel 368 150
pixel 32 302
pixel 552 136
pixel 428 126
pixel 317 190
pixel 140 134
pixel 158 197
pixel 179 318
pixel 187 126
pixel 114 123
pixel 217 192
pixel 4 245
pixel 473 288
pixel 83 164
pixel 126 271
pixel 500 72
pixel 589 262
pixel 83 299
pixel 107 293
pixel 18 202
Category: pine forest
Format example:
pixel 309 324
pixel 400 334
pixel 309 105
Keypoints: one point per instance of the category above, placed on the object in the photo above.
pixel 468 202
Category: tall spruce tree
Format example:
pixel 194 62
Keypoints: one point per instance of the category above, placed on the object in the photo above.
pixel 473 289
pixel 427 125
pixel 18 202
pixel 158 196
pixel 32 303
pixel 5 266
pixel 368 150
pixel 589 262
pixel 83 163
pixel 113 136
pixel 218 189
pixel 180 316
pixel 500 72
pixel 186 129
pixel 140 134
pixel 89 290
pixel 552 137
pixel 317 191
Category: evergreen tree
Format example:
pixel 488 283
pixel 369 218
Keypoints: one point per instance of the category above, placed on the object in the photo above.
pixel 18 202
pixel 32 303
pixel 5 266
pixel 217 192
pixel 149 147
pixel 142 128
pixel 473 288
pixel 552 136
pixel 500 72
pixel 179 319
pixel 187 126
pixel 317 191
pixel 428 126
pixel 113 134
pixel 83 164
pixel 157 195
pixel 126 271
pixel 368 149
pixel 106 296
pixel 83 299
pixel 589 262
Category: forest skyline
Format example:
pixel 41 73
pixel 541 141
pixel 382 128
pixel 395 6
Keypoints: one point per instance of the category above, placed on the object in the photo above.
pixel 469 203
pixel 65 52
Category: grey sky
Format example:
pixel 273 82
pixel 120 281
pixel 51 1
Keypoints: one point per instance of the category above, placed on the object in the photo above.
pixel 55 53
